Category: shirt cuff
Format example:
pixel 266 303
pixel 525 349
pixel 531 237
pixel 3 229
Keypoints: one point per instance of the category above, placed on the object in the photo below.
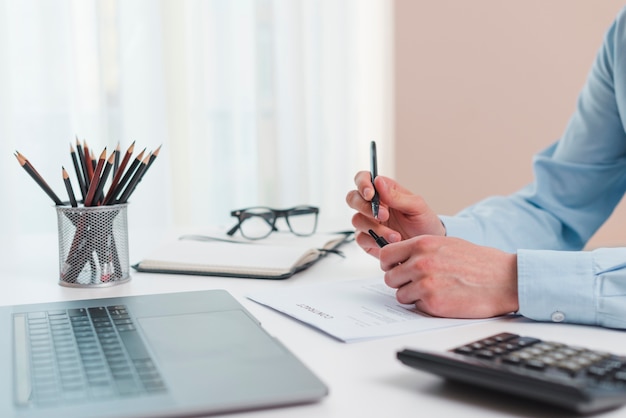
pixel 557 286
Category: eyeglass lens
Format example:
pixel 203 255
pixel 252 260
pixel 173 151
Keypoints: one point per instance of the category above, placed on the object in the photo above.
pixel 302 221
pixel 258 223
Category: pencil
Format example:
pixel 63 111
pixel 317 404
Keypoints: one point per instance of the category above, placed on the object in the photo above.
pixel 93 184
pixel 88 164
pixel 116 163
pixel 94 162
pixel 103 178
pixel 26 165
pixel 83 165
pixel 127 176
pixel 143 173
pixel 68 187
pixel 118 175
pixel 79 173
pixel 133 182
pixel 153 157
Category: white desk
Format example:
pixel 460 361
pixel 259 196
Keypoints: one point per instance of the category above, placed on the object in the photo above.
pixel 365 378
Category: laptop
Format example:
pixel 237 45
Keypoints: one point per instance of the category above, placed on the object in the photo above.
pixel 174 354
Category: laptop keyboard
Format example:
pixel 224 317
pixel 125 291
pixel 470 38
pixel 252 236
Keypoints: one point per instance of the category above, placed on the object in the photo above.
pixel 75 354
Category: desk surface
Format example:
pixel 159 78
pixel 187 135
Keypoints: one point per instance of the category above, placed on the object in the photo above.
pixel 365 378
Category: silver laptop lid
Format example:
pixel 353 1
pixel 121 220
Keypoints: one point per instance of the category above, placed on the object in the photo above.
pixel 152 355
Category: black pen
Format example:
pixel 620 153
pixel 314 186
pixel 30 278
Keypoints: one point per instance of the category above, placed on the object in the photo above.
pixel 374 173
pixel 381 241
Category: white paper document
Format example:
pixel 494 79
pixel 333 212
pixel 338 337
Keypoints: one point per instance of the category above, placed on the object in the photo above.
pixel 352 310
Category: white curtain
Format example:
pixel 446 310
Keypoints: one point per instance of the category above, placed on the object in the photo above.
pixel 254 102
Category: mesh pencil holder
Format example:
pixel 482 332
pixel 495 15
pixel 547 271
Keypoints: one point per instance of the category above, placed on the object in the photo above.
pixel 93 245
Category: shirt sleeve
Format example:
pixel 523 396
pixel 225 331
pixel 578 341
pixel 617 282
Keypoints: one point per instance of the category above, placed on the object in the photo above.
pixel 578 182
pixel 592 291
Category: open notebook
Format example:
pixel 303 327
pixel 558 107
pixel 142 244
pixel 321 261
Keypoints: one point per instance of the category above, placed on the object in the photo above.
pixel 279 256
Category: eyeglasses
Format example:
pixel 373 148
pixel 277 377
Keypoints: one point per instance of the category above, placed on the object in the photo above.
pixel 259 222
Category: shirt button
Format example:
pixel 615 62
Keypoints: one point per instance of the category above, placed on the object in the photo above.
pixel 558 316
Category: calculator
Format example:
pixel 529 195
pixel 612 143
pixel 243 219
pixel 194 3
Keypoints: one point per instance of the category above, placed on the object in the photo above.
pixel 571 377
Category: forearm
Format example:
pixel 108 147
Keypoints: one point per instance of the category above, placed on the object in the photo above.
pixel 509 223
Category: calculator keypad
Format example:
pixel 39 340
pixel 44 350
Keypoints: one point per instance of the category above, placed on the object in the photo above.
pixel 551 358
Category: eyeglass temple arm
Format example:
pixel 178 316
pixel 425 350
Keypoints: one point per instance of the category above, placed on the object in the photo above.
pixel 234 229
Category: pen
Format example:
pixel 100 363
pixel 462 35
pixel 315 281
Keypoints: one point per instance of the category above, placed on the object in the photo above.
pixel 381 241
pixel 374 173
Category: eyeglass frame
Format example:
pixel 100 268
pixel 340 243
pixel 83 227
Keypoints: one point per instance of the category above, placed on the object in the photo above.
pixel 240 214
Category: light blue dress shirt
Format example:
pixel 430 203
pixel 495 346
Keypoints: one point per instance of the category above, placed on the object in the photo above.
pixel 578 182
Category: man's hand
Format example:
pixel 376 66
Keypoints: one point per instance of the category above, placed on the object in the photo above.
pixel 450 277
pixel 402 214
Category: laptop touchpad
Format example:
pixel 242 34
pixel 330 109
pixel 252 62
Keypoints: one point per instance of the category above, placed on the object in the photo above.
pixel 207 335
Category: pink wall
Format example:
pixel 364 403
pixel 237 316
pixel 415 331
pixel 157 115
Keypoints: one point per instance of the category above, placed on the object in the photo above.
pixel 481 85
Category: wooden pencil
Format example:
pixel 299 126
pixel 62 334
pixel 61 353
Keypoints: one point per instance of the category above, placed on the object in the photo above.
pixel 26 165
pixel 143 173
pixel 116 163
pixel 126 178
pixel 88 163
pixel 79 173
pixel 93 184
pixel 83 165
pixel 69 188
pixel 133 182
pixel 118 175
pixel 153 156
pixel 103 178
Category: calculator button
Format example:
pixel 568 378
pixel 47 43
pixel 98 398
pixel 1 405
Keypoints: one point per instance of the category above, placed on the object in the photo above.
pixel 513 360
pixel 486 354
pixel 464 350
pixel 535 364
pixel 597 371
pixel 504 336
pixel 569 366
pixel 526 341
